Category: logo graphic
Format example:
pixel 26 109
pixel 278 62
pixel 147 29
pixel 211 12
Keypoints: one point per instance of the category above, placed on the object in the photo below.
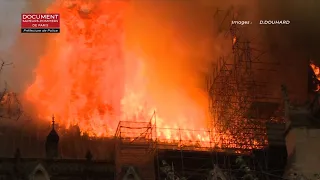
pixel 40 23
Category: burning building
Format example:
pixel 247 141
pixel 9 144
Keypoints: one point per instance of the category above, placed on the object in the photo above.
pixel 129 139
pixel 244 120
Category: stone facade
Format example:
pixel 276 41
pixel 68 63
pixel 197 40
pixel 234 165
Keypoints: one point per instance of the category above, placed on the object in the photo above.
pixel 60 169
pixel 303 150
pixel 302 141
pixel 53 167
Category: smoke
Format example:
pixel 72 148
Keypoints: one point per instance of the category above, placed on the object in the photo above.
pixel 10 21
pixel 176 40
pixel 9 27
pixel 22 50
pixel 181 36
pixel 302 34
pixel 293 45
pixel 179 39
pixel 182 39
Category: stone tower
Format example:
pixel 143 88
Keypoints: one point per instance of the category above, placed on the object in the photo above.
pixel 52 142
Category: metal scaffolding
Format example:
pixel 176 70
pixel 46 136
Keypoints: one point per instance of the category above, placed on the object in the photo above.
pixel 130 134
pixel 135 145
pixel 241 108
pixel 240 103
pixel 159 158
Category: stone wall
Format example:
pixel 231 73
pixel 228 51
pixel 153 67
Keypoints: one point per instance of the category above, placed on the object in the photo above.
pixel 303 147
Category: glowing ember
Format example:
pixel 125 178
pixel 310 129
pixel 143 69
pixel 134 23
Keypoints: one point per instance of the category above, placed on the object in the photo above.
pixel 88 78
pixel 234 40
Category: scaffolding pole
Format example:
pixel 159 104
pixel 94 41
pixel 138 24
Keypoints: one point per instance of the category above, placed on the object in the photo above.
pixel 240 103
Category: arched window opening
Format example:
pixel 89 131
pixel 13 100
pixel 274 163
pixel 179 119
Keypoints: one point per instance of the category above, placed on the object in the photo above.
pixel 39 175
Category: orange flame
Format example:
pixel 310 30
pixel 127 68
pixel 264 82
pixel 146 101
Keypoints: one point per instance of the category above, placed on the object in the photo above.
pixel 316 71
pixel 234 40
pixel 88 78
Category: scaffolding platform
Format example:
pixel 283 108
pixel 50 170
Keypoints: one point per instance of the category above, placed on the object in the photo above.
pixel 134 147
pixel 242 114
pixel 137 145
pixel 241 97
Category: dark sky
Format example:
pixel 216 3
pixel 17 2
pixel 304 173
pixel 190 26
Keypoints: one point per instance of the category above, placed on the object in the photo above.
pixel 302 35
pixel 295 44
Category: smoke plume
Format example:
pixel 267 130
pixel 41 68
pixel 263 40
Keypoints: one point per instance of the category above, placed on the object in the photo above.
pixel 23 50
pixel 295 44
pixel 179 38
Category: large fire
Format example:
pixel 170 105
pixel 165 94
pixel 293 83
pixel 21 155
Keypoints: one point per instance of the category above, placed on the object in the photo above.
pixel 89 78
